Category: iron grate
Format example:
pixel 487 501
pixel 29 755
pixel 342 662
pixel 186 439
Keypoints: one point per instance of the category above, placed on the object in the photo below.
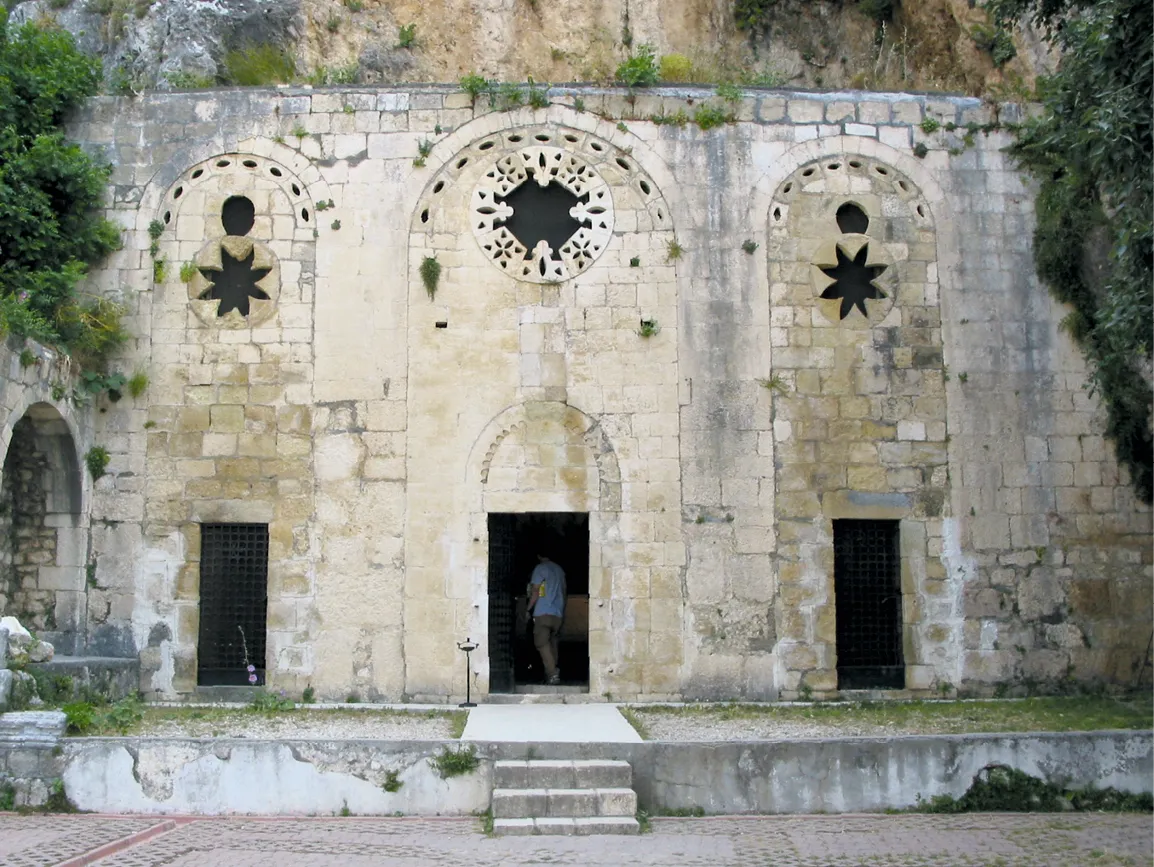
pixel 867 588
pixel 233 603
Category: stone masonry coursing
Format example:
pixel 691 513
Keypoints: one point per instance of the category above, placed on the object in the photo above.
pixel 373 422
pixel 44 502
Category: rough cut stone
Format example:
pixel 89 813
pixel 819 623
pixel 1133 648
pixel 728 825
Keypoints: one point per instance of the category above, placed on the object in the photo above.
pixel 5 688
pixel 32 727
pixel 18 637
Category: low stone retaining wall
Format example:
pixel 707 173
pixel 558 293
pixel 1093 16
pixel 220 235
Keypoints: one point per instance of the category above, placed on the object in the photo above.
pixel 171 776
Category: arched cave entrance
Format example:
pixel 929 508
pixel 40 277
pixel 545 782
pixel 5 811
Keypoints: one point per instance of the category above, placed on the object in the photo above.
pixel 42 544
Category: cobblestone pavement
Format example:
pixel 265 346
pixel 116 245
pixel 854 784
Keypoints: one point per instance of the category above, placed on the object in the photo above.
pixel 1010 840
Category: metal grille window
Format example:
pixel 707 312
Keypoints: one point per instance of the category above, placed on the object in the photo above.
pixel 867 588
pixel 233 603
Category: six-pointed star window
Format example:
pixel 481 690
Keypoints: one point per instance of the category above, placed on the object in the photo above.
pixel 853 281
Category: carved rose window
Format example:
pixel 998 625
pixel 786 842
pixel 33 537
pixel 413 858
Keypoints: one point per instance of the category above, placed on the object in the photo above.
pixel 542 214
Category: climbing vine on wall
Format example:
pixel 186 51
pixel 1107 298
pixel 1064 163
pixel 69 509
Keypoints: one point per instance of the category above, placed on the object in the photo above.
pixel 1091 151
pixel 51 191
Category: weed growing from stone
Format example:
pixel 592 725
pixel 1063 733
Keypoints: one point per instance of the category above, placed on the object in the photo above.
pixel 392 782
pixel 308 695
pixel 58 800
pixel 187 272
pixel 354 5
pixel 333 24
pixel 268 702
pixel 335 225
pixel 407 36
pixel 510 96
pixel 729 91
pixel 474 85
pixel 486 822
pixel 930 125
pixel 649 328
pixel 749 246
pixel 538 96
pixel 455 763
pixel 708 117
pixel 27 357
pixel 8 798
pixel 673 250
pixel 159 270
pixel 96 459
pixel 921 151
pixel 431 275
pixel 635 262
pixel 774 383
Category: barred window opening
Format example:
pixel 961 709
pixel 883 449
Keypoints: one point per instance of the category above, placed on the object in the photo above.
pixel 233 604
pixel 868 595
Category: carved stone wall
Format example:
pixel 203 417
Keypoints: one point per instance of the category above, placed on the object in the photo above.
pixel 714 343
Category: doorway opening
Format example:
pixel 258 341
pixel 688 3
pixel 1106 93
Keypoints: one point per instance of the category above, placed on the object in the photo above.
pixel 233 605
pixel 515 539
pixel 867 586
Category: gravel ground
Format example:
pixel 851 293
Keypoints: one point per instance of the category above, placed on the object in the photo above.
pixel 305 724
pixel 687 727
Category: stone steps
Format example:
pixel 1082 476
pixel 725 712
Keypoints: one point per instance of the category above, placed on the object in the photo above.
pixel 539 796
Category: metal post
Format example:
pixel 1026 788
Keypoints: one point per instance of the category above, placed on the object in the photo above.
pixel 468 646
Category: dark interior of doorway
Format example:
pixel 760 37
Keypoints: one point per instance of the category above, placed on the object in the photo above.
pixel 514 541
pixel 868 592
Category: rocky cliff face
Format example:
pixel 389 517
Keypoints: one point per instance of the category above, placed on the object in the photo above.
pixel 923 45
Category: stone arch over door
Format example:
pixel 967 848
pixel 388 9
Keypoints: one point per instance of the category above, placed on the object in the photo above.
pixel 43 528
pixel 547 456
pixel 859 407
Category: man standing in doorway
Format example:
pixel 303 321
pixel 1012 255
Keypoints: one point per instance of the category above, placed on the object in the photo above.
pixel 547 608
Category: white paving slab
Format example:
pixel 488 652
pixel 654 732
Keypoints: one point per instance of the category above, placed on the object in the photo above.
pixel 549 723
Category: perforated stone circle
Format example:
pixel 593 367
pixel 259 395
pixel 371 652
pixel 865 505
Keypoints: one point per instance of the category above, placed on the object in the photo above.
pixel 544 165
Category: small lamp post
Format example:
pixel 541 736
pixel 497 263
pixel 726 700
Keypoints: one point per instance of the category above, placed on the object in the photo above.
pixel 468 645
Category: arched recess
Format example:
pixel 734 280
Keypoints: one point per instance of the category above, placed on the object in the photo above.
pixel 860 444
pixel 547 456
pixel 43 528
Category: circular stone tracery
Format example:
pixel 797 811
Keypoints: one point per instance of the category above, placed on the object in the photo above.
pixel 542 214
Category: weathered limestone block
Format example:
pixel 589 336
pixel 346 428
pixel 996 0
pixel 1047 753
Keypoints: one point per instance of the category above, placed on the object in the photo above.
pixel 34 727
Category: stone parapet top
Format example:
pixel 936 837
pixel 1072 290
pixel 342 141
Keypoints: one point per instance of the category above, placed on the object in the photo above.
pixel 32 728
pixel 906 108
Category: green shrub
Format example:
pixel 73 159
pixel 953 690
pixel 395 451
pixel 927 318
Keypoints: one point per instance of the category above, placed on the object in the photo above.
pixel 51 197
pixel 407 36
pixel 639 69
pixel 258 66
pixel 675 67
pixel 474 85
pixel 79 717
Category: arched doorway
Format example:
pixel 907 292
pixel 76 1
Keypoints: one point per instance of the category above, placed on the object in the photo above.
pixel 42 531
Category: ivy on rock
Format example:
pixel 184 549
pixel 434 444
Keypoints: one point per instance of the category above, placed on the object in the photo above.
pixel 1091 151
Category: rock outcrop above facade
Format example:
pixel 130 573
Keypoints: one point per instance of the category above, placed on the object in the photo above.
pixel 936 45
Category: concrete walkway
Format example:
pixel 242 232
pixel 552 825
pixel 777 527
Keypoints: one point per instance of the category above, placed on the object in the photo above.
pixel 1009 840
pixel 549 723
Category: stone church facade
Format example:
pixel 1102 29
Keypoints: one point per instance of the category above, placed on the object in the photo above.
pixel 784 398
